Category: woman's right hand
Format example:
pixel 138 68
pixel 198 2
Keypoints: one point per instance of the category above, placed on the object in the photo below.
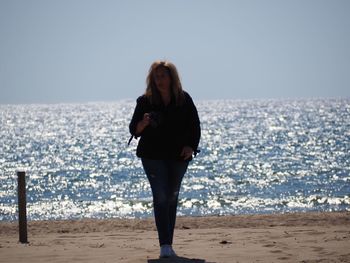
pixel 143 123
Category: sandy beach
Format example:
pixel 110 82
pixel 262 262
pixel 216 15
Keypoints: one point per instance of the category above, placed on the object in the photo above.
pixel 295 237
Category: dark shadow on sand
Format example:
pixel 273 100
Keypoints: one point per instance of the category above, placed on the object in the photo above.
pixel 178 260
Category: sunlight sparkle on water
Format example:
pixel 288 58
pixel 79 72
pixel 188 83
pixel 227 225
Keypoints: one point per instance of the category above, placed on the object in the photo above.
pixel 258 156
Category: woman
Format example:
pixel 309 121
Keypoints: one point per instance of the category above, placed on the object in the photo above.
pixel 167 121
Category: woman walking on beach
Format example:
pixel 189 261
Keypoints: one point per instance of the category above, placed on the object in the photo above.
pixel 167 122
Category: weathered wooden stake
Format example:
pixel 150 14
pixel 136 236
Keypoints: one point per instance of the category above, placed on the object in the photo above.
pixel 22 207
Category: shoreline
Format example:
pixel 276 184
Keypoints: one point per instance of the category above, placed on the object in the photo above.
pixel 290 237
pixel 183 222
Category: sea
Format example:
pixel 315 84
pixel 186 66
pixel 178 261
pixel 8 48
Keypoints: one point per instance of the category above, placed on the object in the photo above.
pixel 256 157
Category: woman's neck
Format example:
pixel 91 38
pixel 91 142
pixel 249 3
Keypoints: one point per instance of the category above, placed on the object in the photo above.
pixel 166 97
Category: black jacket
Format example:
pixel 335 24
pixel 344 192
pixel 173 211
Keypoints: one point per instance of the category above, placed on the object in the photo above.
pixel 172 127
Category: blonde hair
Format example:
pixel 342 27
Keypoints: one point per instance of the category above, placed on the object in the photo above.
pixel 176 88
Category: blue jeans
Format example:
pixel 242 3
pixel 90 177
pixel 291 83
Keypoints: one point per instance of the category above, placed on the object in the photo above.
pixel 165 178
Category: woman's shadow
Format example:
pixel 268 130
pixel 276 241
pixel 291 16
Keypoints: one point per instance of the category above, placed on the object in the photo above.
pixel 177 260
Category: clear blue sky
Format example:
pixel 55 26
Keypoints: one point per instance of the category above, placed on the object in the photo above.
pixel 83 50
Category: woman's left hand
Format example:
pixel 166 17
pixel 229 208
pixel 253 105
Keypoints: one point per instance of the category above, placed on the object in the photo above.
pixel 186 152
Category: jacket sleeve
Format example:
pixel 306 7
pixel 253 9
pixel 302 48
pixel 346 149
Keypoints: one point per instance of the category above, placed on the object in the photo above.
pixel 136 117
pixel 194 129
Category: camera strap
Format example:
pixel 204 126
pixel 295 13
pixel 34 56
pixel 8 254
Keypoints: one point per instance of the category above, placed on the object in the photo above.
pixel 132 136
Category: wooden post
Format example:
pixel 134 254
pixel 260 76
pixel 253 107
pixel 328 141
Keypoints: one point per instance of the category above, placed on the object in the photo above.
pixel 22 207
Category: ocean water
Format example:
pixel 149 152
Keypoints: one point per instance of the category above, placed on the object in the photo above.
pixel 257 156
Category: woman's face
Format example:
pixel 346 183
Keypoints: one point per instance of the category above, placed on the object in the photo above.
pixel 162 79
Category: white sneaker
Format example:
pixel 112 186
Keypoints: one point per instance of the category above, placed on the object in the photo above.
pixel 172 252
pixel 166 251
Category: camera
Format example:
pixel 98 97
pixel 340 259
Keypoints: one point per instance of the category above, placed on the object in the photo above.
pixel 155 118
